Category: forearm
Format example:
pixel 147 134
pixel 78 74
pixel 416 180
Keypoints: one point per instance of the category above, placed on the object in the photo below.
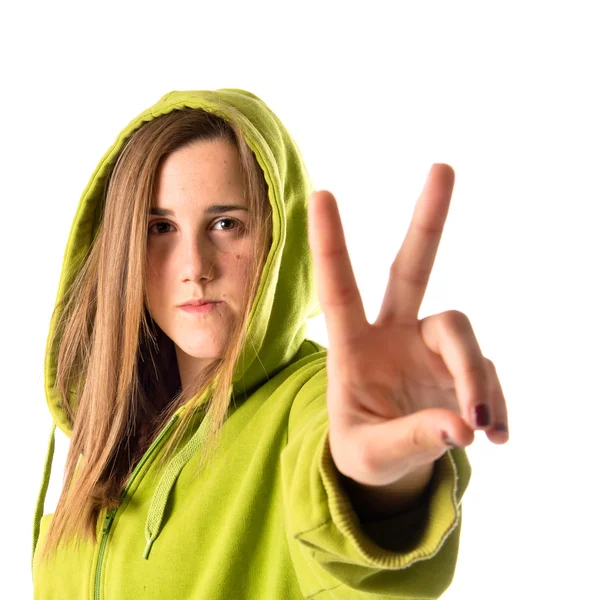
pixel 379 502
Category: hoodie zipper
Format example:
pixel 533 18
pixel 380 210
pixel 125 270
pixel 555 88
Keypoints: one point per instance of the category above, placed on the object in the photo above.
pixel 110 514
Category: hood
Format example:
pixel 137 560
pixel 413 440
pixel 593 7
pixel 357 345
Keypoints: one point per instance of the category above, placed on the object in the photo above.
pixel 286 296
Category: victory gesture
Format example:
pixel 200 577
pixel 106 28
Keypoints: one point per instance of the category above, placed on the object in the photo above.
pixel 401 390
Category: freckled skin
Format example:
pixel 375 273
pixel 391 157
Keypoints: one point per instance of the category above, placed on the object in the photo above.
pixel 198 255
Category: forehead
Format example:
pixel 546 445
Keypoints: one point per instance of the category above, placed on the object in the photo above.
pixel 211 209
pixel 199 159
pixel 202 172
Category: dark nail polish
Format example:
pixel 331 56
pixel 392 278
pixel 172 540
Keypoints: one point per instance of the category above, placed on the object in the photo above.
pixel 501 427
pixel 482 415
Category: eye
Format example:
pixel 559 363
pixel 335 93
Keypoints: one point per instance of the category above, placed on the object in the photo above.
pixel 231 220
pixel 167 224
pixel 158 223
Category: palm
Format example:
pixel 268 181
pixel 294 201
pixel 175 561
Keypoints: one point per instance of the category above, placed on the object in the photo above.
pixel 390 373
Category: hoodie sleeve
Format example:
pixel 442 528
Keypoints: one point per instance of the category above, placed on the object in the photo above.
pixel 335 555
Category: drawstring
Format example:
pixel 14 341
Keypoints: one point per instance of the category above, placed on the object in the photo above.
pixel 39 508
pixel 159 499
pixel 163 489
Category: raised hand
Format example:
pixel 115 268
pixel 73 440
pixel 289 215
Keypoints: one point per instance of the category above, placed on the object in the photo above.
pixel 401 389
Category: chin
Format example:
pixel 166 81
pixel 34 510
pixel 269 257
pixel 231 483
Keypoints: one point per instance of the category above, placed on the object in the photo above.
pixel 199 350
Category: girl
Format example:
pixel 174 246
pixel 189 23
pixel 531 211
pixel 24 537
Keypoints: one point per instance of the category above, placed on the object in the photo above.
pixel 215 451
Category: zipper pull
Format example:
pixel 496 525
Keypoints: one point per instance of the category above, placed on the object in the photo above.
pixel 108 520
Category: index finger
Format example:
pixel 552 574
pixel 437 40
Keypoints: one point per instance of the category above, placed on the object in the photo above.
pixel 338 293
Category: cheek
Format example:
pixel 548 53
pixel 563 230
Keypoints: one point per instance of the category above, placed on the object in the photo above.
pixel 240 263
pixel 240 269
pixel 157 260
pixel 156 273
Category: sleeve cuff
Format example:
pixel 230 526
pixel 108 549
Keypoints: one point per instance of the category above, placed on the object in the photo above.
pixel 397 542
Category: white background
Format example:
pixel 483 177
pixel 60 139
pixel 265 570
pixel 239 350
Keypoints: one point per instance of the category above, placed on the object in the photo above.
pixel 374 93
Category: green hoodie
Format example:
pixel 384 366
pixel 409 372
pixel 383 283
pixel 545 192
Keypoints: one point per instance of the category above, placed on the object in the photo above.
pixel 270 518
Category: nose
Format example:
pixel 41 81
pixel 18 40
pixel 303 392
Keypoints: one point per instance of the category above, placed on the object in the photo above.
pixel 198 258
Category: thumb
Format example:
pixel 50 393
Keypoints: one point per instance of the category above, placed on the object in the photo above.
pixel 385 452
pixel 427 430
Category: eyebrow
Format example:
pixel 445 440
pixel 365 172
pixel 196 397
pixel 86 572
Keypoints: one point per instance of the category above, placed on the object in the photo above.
pixel 213 208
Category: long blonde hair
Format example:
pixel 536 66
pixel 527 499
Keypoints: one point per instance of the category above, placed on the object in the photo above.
pixel 114 362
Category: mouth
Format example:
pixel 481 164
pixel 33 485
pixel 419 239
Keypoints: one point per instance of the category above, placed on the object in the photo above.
pixel 204 308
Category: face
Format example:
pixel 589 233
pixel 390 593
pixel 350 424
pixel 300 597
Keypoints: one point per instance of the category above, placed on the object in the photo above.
pixel 198 247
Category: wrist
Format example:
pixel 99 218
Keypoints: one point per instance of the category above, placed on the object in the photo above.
pixel 380 502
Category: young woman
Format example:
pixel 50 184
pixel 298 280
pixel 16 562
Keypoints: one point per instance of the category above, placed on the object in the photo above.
pixel 215 451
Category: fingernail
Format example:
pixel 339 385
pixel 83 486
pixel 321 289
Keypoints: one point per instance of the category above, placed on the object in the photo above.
pixel 482 415
pixel 501 427
pixel 448 441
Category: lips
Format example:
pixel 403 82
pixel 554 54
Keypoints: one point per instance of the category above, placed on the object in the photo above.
pixel 198 302
pixel 200 308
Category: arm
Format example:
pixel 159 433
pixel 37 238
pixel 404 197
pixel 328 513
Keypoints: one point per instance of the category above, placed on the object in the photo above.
pixel 411 555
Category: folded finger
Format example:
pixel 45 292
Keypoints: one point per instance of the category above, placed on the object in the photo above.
pixel 498 432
